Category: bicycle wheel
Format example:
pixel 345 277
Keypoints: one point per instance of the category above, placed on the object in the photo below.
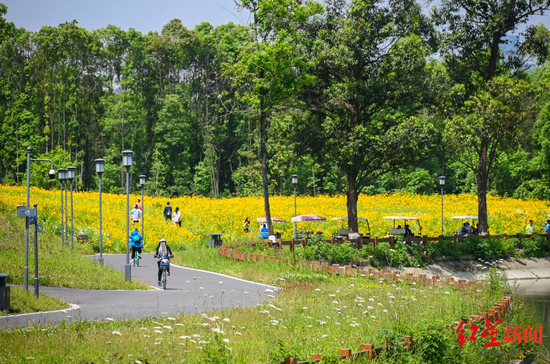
pixel 164 278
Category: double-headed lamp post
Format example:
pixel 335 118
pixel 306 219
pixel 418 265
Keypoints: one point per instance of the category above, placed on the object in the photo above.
pixel 62 175
pixel 142 179
pixel 127 161
pixel 294 182
pixel 442 183
pixel 71 175
pixel 100 168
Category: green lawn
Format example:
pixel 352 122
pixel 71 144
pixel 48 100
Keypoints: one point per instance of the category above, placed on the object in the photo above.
pixel 25 302
pixel 58 266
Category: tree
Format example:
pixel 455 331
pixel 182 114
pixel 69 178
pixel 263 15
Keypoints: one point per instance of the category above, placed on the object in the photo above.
pixel 472 32
pixel 272 71
pixel 370 68
pixel 488 124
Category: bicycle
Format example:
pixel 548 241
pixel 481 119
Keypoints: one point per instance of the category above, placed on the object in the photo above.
pixel 135 261
pixel 164 265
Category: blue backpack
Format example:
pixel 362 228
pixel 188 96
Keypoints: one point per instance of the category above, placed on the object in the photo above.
pixel 135 240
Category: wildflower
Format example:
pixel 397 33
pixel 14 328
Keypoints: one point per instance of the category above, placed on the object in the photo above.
pixel 143 328
pixel 185 337
pixel 317 289
pixel 158 331
pixel 447 292
pixel 109 319
pixel 168 327
pixel 335 302
pixel 226 320
pixel 117 333
pixel 324 335
pixel 386 311
pixel 373 317
pixel 304 308
pixel 370 307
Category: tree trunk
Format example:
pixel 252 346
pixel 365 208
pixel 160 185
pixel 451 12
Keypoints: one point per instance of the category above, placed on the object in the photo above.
pixel 263 152
pixel 494 56
pixel 352 196
pixel 482 178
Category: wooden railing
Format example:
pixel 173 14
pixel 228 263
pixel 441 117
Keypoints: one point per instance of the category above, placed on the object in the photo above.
pixel 360 242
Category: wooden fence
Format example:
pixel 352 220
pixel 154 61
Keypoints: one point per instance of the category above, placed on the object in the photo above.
pixel 360 242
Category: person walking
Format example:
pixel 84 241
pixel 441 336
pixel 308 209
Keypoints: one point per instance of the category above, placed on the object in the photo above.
pixel 138 204
pixel 264 232
pixel 530 229
pixel 177 217
pixel 547 227
pixel 168 211
pixel 136 214
pixel 247 225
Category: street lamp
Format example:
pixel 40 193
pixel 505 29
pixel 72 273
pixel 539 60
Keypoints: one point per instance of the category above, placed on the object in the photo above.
pixel 442 183
pixel 294 182
pixel 65 178
pixel 61 174
pixel 51 174
pixel 142 179
pixel 71 175
pixel 127 161
pixel 100 168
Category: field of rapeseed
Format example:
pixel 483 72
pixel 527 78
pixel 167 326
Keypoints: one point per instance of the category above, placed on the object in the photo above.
pixel 201 216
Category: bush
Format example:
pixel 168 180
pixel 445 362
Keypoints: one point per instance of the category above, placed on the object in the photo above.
pixel 537 246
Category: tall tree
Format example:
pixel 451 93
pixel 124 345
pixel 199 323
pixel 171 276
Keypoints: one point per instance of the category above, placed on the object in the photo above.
pixel 472 33
pixel 369 63
pixel 272 72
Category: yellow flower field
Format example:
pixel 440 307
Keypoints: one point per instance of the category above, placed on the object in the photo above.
pixel 201 216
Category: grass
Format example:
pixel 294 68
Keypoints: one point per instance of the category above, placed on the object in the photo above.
pixel 307 317
pixel 58 266
pixel 25 302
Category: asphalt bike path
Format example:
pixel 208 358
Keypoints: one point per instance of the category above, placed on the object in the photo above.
pixel 188 291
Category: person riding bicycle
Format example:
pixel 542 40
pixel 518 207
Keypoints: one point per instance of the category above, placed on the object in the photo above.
pixel 163 250
pixel 136 242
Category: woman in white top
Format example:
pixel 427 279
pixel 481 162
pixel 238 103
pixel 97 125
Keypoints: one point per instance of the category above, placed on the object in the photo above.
pixel 177 217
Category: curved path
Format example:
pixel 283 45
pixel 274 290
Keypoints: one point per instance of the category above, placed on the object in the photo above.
pixel 188 291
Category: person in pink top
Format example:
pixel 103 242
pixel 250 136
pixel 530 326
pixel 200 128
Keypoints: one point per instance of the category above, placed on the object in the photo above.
pixel 138 204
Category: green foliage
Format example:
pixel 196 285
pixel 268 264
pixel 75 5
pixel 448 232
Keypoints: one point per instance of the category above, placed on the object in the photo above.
pixel 432 341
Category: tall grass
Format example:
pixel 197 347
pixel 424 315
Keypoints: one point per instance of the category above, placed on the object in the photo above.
pixel 305 318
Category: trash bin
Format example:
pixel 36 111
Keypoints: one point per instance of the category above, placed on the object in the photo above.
pixel 4 292
pixel 215 240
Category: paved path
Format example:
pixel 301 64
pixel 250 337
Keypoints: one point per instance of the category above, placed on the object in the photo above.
pixel 188 291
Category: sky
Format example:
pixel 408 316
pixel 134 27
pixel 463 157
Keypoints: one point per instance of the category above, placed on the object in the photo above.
pixel 143 15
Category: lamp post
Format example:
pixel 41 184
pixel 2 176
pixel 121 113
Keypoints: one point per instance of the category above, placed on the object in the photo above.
pixel 127 161
pixel 442 183
pixel 61 175
pixel 36 255
pixel 26 272
pixel 71 174
pixel 294 182
pixel 142 179
pixel 65 178
pixel 100 168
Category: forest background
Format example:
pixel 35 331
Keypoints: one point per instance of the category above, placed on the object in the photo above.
pixel 353 96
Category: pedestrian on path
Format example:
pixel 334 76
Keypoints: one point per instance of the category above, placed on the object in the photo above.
pixel 177 217
pixel 530 229
pixel 138 204
pixel 135 213
pixel 168 211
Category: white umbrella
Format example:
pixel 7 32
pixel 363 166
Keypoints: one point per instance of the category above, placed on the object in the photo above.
pixel 304 218
pixel 273 219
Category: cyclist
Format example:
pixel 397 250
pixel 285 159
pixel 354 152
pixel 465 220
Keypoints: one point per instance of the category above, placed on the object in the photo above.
pixel 163 250
pixel 136 242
